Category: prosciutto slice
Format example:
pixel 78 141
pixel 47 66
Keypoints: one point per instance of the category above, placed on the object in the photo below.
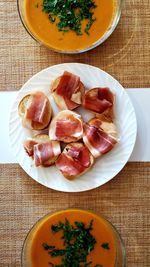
pixel 66 126
pixel 98 99
pixel 28 146
pixel 74 160
pixel 43 153
pixel 68 166
pixel 106 126
pixel 36 109
pixel 97 140
pixel 80 154
pixel 69 86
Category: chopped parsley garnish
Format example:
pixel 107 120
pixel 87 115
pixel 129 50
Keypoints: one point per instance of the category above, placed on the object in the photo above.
pixel 78 243
pixel 105 246
pixel 47 247
pixel 69 14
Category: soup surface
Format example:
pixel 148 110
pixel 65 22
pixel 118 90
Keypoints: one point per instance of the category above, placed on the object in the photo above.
pixel 40 26
pixel 103 254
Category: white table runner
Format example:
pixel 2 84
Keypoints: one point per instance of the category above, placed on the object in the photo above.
pixel 141 102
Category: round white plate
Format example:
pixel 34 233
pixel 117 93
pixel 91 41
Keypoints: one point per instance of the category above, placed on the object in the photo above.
pixel 107 166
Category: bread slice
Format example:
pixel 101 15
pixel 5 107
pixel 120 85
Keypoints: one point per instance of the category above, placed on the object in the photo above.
pixel 59 100
pixel 65 151
pixel 25 104
pixel 41 139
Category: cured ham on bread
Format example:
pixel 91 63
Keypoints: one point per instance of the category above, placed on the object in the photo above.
pixel 75 160
pixel 67 91
pixel 43 151
pixel 99 136
pixel 66 126
pixel 100 101
pixel 35 111
pixel 105 125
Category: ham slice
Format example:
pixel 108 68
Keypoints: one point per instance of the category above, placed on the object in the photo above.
pixel 80 154
pixel 68 84
pixel 66 126
pixel 43 153
pixel 74 160
pixel 68 88
pixel 98 99
pixel 68 166
pixel 96 139
pixel 28 146
pixel 106 126
pixel 36 110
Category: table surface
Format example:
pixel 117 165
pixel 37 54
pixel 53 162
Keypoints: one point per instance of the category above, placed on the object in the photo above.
pixel 125 199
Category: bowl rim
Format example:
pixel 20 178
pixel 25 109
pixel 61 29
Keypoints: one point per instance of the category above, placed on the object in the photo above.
pixel 102 39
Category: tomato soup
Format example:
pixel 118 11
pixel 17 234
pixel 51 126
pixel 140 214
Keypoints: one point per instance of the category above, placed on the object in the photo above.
pixel 103 254
pixel 47 33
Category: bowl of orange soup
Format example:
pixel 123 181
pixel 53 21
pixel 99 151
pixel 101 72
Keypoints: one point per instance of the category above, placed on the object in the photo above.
pixel 70 26
pixel 73 238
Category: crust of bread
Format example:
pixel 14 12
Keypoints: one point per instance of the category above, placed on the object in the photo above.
pixel 23 105
pixel 72 177
pixel 44 138
pixel 59 99
pixel 62 115
pixel 41 138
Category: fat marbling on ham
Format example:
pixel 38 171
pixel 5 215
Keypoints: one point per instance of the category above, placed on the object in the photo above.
pixel 100 137
pixel 36 109
pixel 43 153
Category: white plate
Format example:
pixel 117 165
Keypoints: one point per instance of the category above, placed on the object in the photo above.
pixel 106 167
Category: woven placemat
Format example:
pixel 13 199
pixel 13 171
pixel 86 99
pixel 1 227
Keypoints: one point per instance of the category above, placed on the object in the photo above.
pixel 124 201
pixel 125 55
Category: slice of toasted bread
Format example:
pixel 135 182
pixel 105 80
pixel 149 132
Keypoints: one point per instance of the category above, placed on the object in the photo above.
pixel 62 116
pixel 41 139
pixel 108 113
pixel 25 104
pixel 60 102
pixel 104 128
pixel 65 151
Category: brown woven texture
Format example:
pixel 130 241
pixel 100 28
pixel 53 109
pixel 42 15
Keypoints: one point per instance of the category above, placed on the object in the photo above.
pixel 125 55
pixel 124 201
